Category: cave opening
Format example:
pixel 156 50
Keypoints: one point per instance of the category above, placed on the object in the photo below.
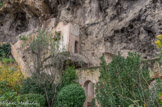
pixel 19 23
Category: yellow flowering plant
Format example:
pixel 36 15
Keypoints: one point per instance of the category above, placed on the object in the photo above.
pixel 158 42
pixel 10 73
pixel 159 37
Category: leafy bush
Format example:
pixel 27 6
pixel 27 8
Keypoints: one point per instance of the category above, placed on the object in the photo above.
pixel 158 89
pixel 160 98
pixel 10 99
pixel 34 84
pixel 10 75
pixel 7 96
pixel 125 82
pixel 5 51
pixel 30 100
pixel 30 85
pixel 69 76
pixel 7 61
pixel 71 96
pixel 23 38
pixel 4 87
pixel 1 4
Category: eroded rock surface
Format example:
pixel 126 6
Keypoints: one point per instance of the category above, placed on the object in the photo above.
pixel 18 16
pixel 106 26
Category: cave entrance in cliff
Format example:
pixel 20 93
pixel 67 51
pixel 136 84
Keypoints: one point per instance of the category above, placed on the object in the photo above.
pixel 89 92
pixel 76 50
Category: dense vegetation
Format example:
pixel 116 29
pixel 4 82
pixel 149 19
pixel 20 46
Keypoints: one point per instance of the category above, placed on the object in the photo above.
pixel 41 89
pixel 71 96
pixel 11 79
pixel 50 58
pixel 32 85
pixel 125 82
pixel 10 75
pixel 159 46
pixel 5 51
pixel 69 76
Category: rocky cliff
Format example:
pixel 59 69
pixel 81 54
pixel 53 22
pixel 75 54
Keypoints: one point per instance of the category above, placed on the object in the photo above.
pixel 106 26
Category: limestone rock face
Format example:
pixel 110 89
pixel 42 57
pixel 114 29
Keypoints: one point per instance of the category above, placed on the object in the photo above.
pixel 106 26
pixel 18 16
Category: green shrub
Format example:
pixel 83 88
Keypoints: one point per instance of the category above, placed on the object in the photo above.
pixel 30 85
pixel 71 96
pixel 4 87
pixel 158 89
pixel 125 82
pixel 7 60
pixel 23 38
pixel 30 100
pixel 69 76
pixel 7 96
pixel 160 100
pixel 5 51
pixel 26 100
pixel 1 4
pixel 34 85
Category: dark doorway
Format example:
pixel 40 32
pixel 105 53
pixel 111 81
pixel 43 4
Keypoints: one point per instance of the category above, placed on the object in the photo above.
pixel 76 50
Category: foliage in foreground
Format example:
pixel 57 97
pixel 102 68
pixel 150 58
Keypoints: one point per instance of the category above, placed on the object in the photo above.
pixel 10 76
pixel 33 100
pixel 33 85
pixel 71 96
pixel 10 83
pixel 11 99
pixel 124 82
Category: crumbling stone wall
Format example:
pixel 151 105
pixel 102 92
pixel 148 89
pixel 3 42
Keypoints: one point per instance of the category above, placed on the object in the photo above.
pixel 88 77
